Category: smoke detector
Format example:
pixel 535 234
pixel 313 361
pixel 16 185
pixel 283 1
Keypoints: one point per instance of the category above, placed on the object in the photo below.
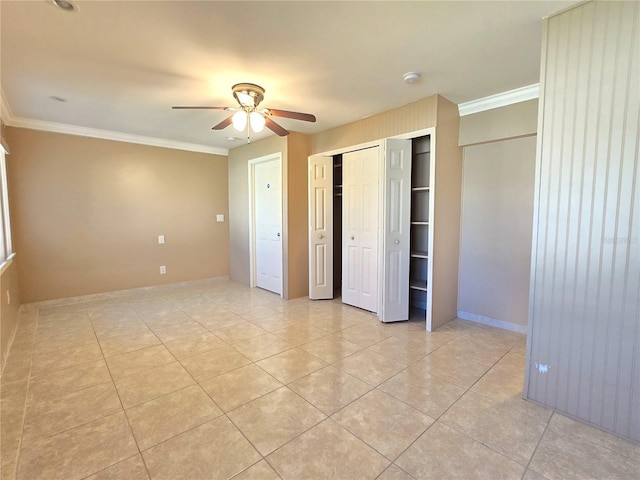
pixel 411 77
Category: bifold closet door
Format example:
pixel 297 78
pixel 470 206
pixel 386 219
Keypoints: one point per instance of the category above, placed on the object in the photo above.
pixel 397 230
pixel 320 228
pixel 361 228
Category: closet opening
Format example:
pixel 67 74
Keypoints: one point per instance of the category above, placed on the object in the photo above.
pixel 378 225
pixel 371 211
pixel 337 226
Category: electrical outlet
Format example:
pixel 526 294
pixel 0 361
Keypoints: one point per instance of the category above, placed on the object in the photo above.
pixel 163 269
pixel 160 239
pixel 220 217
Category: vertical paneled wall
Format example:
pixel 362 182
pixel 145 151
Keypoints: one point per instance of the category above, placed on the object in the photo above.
pixel 584 347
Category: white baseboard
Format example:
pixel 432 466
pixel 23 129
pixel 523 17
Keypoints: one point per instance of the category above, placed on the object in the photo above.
pixel 492 322
pixel 121 293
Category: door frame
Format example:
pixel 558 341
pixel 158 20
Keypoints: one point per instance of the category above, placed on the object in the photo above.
pixel 431 131
pixel 251 165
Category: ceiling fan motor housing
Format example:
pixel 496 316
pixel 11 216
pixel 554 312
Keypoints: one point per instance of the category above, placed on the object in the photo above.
pixel 248 95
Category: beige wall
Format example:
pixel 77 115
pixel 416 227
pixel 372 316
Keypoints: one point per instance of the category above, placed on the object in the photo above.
pixel 298 215
pixel 9 312
pixel 87 213
pixel 497 219
pixel 497 214
pixel 512 121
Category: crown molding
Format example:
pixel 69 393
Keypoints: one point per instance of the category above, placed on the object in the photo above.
pixel 11 120
pixel 500 100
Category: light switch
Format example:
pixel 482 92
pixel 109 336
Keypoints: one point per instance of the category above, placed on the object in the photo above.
pixel 163 269
pixel 160 239
pixel 220 217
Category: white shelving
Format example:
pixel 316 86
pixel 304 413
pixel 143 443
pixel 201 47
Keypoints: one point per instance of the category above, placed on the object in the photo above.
pixel 420 199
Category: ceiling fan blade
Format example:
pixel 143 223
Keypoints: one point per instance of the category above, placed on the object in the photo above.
pixel 274 127
pixel 181 107
pixel 223 124
pixel 307 117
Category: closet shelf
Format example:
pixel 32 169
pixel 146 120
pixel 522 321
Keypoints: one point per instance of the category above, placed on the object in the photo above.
pixel 420 189
pixel 419 254
pixel 419 223
pixel 415 284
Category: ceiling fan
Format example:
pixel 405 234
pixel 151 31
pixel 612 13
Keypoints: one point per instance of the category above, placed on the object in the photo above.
pixel 247 116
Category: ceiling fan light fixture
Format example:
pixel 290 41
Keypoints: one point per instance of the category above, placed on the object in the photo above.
pixel 248 95
pixel 239 120
pixel 246 100
pixel 257 121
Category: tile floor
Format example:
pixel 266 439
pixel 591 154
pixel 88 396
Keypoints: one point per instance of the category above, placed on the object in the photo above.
pixel 215 380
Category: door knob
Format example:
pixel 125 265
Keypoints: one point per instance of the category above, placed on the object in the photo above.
pixel 320 236
pixel 352 237
pixel 397 241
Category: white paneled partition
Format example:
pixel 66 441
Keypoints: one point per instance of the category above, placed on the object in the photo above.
pixel 584 346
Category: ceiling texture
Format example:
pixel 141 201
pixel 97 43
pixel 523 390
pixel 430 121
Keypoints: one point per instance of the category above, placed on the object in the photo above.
pixel 118 66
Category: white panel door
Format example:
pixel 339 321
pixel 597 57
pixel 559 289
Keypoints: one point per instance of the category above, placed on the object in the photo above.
pixel 360 228
pixel 268 224
pixel 397 224
pixel 320 228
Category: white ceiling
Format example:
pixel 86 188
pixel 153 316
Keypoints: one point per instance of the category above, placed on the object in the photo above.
pixel 121 65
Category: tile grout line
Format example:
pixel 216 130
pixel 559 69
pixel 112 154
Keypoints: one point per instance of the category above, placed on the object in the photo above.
pixel 437 419
pixel 533 454
pixel 26 395
pixel 124 411
pixel 160 396
pixel 470 437
pixel 392 464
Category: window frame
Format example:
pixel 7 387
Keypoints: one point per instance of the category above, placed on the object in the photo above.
pixel 6 247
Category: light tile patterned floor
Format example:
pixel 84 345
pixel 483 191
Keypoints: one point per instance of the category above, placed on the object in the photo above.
pixel 216 380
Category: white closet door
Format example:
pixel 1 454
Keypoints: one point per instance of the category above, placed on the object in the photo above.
pixel 397 235
pixel 360 228
pixel 320 228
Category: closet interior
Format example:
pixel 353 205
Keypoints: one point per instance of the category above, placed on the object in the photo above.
pixel 420 200
pixel 337 225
